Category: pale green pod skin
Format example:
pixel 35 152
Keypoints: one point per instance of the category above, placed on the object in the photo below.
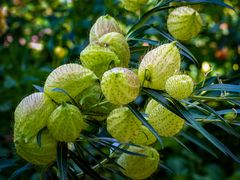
pixel 197 7
pixel 117 43
pixel 66 123
pixel 179 86
pixel 150 106
pixel 133 5
pixel 143 137
pixel 122 124
pixel 120 86
pixel 72 78
pixel 139 167
pixel 165 122
pixel 31 115
pixel 98 58
pixel 90 102
pixel 158 65
pixel 103 25
pixel 184 23
pixel 33 153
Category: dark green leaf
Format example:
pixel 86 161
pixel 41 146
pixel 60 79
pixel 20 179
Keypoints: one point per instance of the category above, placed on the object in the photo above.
pixel 5 163
pixel 206 134
pixel 216 2
pixel 145 123
pixel 105 155
pixel 66 93
pixel 181 143
pixel 84 165
pixel 19 171
pixel 198 142
pixel 168 169
pixel 221 87
pixel 38 88
pixel 62 151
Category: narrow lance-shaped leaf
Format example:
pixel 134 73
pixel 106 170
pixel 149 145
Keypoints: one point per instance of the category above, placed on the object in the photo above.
pixel 221 87
pixel 19 171
pixel 62 151
pixel 145 123
pixel 198 142
pixel 206 134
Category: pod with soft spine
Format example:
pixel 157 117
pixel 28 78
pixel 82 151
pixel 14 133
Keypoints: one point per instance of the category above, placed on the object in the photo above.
pixel 122 124
pixel 31 115
pixel 158 65
pixel 120 85
pixel 139 167
pixel 103 25
pixel 71 80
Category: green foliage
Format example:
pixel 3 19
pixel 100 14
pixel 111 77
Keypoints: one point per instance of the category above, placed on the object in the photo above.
pixel 43 35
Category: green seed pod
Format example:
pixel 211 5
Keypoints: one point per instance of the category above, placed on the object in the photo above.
pixel 103 25
pixel 158 65
pixel 31 115
pixel 72 78
pixel 143 137
pixel 179 86
pixel 33 153
pixel 165 122
pixel 197 7
pixel 66 123
pixel 184 23
pixel 93 104
pixel 120 86
pixel 117 43
pixel 139 167
pixel 98 58
pixel 150 106
pixel 122 124
pixel 133 5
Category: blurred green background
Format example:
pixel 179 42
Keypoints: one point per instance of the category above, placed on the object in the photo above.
pixel 40 35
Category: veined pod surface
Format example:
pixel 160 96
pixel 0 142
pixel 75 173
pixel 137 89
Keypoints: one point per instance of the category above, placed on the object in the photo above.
pixel 165 122
pixel 98 58
pixel 139 167
pixel 143 137
pixel 117 43
pixel 158 65
pixel 122 124
pixel 95 106
pixel 72 78
pixel 184 23
pixel 179 86
pixel 66 123
pixel 133 5
pixel 120 85
pixel 31 115
pixel 33 153
pixel 150 106
pixel 103 25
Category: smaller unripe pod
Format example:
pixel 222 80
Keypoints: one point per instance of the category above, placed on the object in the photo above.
pixel 150 106
pixel 117 43
pixel 133 5
pixel 91 104
pixel 120 86
pixel 143 137
pixel 72 78
pixel 33 153
pixel 60 52
pixel 98 58
pixel 158 65
pixel 165 122
pixel 139 167
pixel 122 124
pixel 179 86
pixel 31 115
pixel 3 26
pixel 66 123
pixel 184 23
pixel 103 25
